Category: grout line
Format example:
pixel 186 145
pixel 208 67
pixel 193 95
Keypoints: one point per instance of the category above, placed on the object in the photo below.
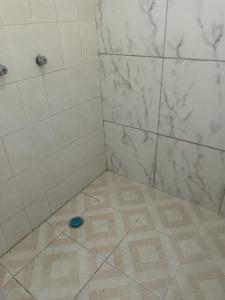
pixel 160 97
pixel 28 292
pixel 164 57
pixel 166 136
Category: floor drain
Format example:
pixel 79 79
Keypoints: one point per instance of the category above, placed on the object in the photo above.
pixel 76 222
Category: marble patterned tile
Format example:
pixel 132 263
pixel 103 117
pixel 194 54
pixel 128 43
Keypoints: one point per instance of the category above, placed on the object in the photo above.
pixel 60 271
pixel 139 26
pixel 130 152
pixel 131 90
pixel 191 172
pixel 103 226
pixel 5 276
pixel 13 291
pixel 188 87
pixel 108 283
pixel 20 255
pixel 202 280
pixel 195 29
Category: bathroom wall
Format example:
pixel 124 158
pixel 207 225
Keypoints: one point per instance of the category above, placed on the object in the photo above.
pixel 163 90
pixel 51 130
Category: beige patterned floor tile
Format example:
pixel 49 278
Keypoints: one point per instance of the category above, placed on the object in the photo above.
pixel 13 291
pixel 189 246
pixel 60 271
pixel 103 228
pixel 119 192
pixel 75 207
pixel 5 276
pixel 28 248
pixel 213 233
pixel 148 258
pixel 110 284
pixel 199 281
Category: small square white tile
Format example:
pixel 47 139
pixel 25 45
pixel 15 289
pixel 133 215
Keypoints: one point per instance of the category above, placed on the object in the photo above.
pixel 42 10
pixel 14 12
pixel 71 47
pixel 5 170
pixel 86 117
pixel 38 211
pixel 63 128
pixel 34 99
pixel 52 171
pixel 88 37
pixel 20 150
pixel 30 185
pixel 87 9
pixel 12 115
pixel 83 83
pixel 48 44
pixel 66 10
pixel 5 58
pixel 43 138
pixel 55 84
pixel 23 50
pixel 16 228
pixel 92 169
pixel 10 200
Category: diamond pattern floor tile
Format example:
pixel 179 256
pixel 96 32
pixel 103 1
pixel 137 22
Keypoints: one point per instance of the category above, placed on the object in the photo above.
pixel 119 192
pixel 199 281
pixel 4 276
pixel 111 284
pixel 60 271
pixel 28 248
pixel 103 228
pixel 148 258
pixel 213 234
pixel 156 247
pixel 13 291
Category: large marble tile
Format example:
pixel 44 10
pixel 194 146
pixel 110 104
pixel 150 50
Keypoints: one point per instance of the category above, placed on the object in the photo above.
pixel 195 29
pixel 189 87
pixel 130 152
pixel 131 90
pixel 192 172
pixel 131 27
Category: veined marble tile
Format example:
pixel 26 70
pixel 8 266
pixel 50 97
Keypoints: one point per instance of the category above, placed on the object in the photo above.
pixel 130 152
pixel 131 90
pixel 193 106
pixel 195 29
pixel 131 27
pixel 191 172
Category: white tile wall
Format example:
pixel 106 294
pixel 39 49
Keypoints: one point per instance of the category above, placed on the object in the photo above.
pixel 34 99
pixel 71 44
pixel 20 150
pixel 45 110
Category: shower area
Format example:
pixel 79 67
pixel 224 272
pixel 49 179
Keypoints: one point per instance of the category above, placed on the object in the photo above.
pixel 113 110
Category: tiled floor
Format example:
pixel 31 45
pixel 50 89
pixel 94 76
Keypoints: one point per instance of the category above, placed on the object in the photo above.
pixel 136 243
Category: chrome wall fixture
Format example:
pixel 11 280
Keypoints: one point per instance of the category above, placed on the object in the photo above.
pixel 41 60
pixel 3 70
